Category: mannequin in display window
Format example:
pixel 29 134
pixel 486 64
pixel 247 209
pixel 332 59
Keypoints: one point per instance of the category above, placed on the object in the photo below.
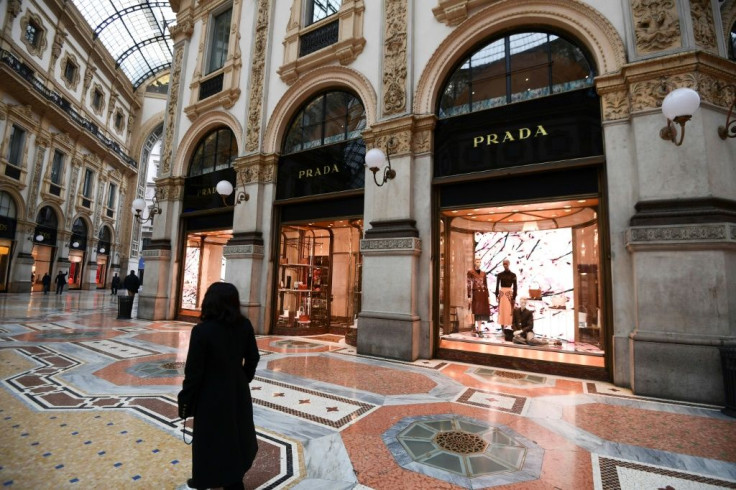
pixel 506 295
pixel 524 326
pixel 478 296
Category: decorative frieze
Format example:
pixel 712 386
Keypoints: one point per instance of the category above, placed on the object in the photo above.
pixel 394 57
pixel 401 246
pixel 156 254
pixel 679 236
pixel 243 251
pixel 656 25
pixel 257 75
pixel 256 169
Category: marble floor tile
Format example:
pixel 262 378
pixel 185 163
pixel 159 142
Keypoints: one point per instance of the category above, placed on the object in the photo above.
pixel 89 401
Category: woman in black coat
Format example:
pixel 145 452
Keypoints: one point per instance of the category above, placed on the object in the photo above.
pixel 221 362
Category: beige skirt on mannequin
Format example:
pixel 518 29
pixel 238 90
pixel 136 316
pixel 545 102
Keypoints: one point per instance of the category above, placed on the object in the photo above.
pixel 505 306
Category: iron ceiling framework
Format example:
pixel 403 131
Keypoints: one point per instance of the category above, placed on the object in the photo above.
pixel 135 32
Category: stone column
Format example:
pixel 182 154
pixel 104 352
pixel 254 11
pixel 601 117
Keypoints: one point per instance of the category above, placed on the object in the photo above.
pixel 23 262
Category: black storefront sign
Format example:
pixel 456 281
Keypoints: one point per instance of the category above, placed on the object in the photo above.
pixel 332 168
pixel 549 129
pixel 7 227
pixel 80 240
pixel 48 234
pixel 200 192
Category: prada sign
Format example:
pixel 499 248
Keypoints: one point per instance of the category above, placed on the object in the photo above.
pixel 322 170
pixel 200 192
pixel 559 127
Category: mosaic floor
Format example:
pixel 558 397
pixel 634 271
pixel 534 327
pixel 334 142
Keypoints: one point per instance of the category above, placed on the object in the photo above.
pixel 88 401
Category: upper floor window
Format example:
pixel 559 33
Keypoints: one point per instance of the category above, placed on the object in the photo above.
pixel 215 151
pixel 515 68
pixel 70 71
pixel 57 167
pixel 320 9
pixel 16 146
pixel 732 43
pixel 329 118
pixel 119 120
pixel 87 185
pixel 112 195
pixel 33 33
pixel 97 99
pixel 219 40
pixel 7 205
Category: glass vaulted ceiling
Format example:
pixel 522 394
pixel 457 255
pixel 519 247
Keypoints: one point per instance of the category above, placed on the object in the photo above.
pixel 136 32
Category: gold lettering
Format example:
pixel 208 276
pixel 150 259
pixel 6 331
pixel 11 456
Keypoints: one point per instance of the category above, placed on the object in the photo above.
pixel 477 140
pixel 540 130
pixel 491 138
pixel 508 137
pixel 524 133
pixel 317 173
pixel 335 169
pixel 301 174
pixel 3 227
pixel 309 173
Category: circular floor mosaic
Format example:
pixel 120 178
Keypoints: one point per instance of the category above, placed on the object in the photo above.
pixel 157 369
pixel 296 344
pixel 464 451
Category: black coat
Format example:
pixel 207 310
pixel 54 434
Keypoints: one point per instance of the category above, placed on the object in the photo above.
pixel 221 362
pixel 523 320
pixel 132 283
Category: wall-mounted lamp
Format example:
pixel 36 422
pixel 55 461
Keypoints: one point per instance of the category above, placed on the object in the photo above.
pixel 37 238
pixel 102 250
pixel 139 205
pixel 729 130
pixel 225 188
pixel 678 107
pixel 375 158
pixel 75 244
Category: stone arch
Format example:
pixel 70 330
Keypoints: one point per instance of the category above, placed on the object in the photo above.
pixel 57 209
pixel 306 87
pixel 580 21
pixel 145 132
pixel 204 124
pixel 20 208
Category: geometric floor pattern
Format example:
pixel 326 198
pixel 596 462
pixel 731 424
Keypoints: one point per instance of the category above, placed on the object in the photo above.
pixel 88 401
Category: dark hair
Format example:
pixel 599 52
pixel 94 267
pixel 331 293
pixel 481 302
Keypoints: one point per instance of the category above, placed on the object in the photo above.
pixel 222 303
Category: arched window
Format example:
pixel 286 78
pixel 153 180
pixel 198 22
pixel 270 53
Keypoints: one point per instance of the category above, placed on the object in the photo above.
pixel 47 218
pixel 732 43
pixel 215 151
pixel 7 205
pixel 329 118
pixel 79 234
pixel 515 68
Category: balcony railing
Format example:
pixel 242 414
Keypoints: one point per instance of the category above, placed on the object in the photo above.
pixel 27 74
pixel 317 39
pixel 211 86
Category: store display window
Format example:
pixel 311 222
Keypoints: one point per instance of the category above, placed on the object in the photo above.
pixel 552 250
pixel 319 277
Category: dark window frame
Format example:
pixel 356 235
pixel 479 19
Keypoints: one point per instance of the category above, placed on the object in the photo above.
pixel 57 167
pixel 316 15
pixel 33 33
pixel 69 75
pixel 213 139
pixel 16 145
pixel 216 56
pixel 88 183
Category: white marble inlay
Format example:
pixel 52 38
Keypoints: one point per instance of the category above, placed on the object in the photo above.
pixel 115 349
pixel 492 400
pixel 45 326
pixel 308 404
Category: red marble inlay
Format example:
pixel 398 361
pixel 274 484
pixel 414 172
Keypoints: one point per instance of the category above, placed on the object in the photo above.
pixel 385 381
pixel 178 340
pixel 105 402
pixel 29 381
pixel 561 386
pixel 62 400
pixel 684 434
pixel 116 372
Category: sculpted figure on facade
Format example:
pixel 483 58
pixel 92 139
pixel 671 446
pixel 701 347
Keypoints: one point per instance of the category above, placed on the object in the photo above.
pixel 171 110
pixel 703 24
pixel 59 39
pixel 394 51
pixel 255 100
pixel 656 25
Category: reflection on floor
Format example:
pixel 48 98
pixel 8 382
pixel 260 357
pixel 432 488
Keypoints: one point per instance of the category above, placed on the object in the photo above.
pixel 495 336
pixel 88 401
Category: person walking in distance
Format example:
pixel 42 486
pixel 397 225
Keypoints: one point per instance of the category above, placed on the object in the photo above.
pixel 115 284
pixel 221 363
pixel 60 281
pixel 131 283
pixel 46 281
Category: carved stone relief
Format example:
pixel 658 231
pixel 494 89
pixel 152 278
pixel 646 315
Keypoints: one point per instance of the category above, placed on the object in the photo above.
pixel 36 178
pixel 73 191
pixel 616 106
pixel 171 110
pixel 394 53
pixel 656 25
pixel 650 93
pixel 255 99
pixel 59 39
pixel 703 25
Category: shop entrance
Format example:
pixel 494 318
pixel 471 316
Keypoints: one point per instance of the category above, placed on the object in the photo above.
pixel 319 276
pixel 203 264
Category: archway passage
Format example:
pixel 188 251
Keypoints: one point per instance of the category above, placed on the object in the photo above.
pixel 44 246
